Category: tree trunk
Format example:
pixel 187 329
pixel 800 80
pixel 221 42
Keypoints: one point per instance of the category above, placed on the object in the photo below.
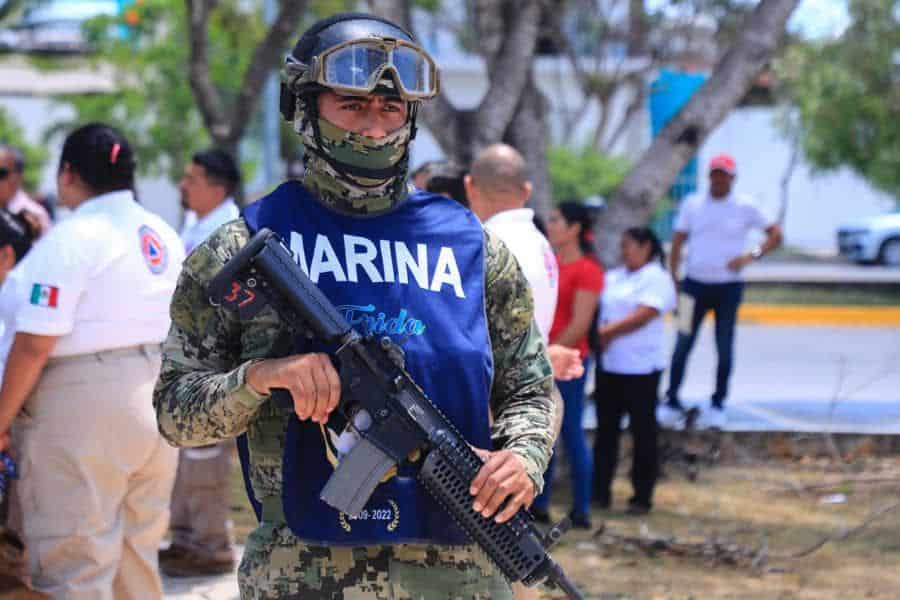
pixel 637 28
pixel 397 11
pixel 227 126
pixel 529 133
pixel 786 180
pixel 645 185
pixel 507 37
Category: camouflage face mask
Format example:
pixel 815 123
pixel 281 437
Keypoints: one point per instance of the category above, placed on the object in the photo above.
pixel 347 192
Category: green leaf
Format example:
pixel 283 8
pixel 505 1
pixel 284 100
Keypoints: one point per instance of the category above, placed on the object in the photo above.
pixel 846 94
pixel 579 174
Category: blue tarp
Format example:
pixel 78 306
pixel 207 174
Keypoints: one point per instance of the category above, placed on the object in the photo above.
pixel 668 94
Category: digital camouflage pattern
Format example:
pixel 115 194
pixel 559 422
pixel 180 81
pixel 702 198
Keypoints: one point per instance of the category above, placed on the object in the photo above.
pixel 202 397
pixel 356 195
pixel 280 566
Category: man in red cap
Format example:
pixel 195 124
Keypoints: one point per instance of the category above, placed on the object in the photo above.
pixel 716 227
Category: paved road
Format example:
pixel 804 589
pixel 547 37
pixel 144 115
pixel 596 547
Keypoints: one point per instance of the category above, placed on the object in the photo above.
pixel 772 271
pixel 803 378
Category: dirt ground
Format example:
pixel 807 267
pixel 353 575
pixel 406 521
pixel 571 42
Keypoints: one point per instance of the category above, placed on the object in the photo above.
pixel 729 534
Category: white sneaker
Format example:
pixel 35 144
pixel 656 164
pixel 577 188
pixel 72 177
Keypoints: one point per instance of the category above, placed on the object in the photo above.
pixel 715 418
pixel 669 417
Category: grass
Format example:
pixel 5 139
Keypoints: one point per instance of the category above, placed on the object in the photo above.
pixel 818 294
pixel 743 504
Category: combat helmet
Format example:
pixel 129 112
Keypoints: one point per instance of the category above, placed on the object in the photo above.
pixel 355 54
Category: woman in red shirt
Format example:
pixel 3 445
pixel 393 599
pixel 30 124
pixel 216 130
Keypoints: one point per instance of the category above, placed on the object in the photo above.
pixel 580 284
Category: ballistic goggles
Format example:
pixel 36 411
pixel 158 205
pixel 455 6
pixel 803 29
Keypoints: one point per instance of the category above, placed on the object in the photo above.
pixel 358 67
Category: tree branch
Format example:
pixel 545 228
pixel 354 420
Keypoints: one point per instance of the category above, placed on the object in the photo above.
pixel 208 98
pixel 840 535
pixel 646 184
pixel 528 132
pixel 634 107
pixel 264 60
pixel 441 118
pixel 508 71
pixel 438 115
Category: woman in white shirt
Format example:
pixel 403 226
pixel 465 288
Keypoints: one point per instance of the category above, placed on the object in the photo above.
pixel 91 312
pixel 632 336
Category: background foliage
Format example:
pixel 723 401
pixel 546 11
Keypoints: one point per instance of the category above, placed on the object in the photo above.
pixel 35 156
pixel 846 94
pixel 579 174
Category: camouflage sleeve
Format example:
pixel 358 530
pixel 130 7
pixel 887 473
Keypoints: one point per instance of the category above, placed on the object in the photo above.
pixel 201 395
pixel 524 414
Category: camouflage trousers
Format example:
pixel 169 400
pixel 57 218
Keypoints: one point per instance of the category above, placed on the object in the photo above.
pixel 278 565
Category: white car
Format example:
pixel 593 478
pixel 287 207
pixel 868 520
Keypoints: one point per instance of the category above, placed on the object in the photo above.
pixel 873 239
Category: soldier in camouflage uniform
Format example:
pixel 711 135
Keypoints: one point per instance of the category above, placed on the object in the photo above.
pixel 218 371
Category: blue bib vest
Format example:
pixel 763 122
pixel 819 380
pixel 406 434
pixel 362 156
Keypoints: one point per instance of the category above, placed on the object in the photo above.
pixel 415 274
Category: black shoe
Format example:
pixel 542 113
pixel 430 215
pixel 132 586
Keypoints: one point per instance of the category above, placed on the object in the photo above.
pixel 601 502
pixel 580 520
pixel 540 515
pixel 190 564
pixel 173 552
pixel 637 508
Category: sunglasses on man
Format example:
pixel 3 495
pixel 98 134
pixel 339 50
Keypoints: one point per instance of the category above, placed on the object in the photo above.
pixel 5 172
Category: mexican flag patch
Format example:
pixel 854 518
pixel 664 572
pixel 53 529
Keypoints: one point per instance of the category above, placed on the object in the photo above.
pixel 44 295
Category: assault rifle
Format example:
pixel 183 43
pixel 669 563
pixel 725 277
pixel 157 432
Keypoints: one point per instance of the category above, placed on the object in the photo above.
pixel 403 419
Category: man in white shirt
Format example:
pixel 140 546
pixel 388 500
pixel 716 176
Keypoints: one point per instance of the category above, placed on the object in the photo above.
pixel 201 537
pixel 207 186
pixel 12 197
pixel 497 189
pixel 715 227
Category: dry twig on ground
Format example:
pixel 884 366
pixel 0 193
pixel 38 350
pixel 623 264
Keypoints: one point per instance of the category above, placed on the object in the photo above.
pixel 840 535
pixel 719 549
pixel 792 487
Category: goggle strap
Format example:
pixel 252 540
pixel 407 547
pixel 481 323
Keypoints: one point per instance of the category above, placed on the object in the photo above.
pixel 413 128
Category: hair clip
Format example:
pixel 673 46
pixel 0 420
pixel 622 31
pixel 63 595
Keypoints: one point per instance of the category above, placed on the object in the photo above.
pixel 114 154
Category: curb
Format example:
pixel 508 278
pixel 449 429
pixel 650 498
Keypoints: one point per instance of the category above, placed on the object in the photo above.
pixel 822 315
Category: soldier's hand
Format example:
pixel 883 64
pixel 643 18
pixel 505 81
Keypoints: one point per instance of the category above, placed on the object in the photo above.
pixel 502 476
pixel 311 380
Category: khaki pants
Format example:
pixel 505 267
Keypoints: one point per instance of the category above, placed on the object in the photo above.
pixel 200 500
pixel 96 477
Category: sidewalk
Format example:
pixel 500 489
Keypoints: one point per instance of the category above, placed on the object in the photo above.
pixel 800 379
pixel 774 271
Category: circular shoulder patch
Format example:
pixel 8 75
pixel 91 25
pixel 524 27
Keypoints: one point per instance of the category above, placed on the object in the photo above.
pixel 154 250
